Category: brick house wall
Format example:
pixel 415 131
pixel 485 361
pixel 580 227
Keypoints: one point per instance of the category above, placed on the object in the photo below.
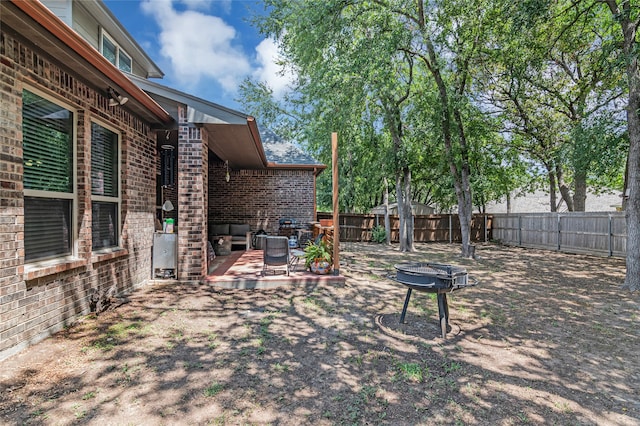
pixel 192 200
pixel 261 197
pixel 35 302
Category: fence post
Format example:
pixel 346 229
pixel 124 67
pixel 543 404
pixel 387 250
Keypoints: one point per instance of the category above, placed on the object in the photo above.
pixel 450 230
pixel 559 233
pixel 519 230
pixel 610 236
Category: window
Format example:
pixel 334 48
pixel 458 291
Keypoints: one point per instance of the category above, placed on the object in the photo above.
pixel 114 53
pixel 49 189
pixel 105 187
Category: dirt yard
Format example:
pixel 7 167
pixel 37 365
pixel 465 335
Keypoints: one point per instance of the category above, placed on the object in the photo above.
pixel 546 338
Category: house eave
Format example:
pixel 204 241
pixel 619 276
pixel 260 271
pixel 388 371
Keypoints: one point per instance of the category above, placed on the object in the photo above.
pixel 233 135
pixel 35 24
pixel 115 29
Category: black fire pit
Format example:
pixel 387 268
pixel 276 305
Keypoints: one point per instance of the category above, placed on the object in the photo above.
pixel 432 278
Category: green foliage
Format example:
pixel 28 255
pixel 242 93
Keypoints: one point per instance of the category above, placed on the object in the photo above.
pixel 318 251
pixel 378 234
pixel 599 151
pixel 522 88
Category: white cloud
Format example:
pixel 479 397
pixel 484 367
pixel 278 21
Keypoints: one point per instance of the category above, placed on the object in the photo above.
pixel 225 5
pixel 197 4
pixel 198 46
pixel 269 71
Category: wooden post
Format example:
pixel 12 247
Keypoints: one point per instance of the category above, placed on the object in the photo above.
pixel 336 215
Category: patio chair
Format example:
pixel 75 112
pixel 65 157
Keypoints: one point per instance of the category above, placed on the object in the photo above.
pixel 275 253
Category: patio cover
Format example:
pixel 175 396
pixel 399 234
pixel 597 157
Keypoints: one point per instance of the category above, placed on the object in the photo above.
pixel 233 136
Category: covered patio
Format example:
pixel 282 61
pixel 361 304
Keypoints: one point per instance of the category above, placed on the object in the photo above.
pixel 243 270
pixel 217 169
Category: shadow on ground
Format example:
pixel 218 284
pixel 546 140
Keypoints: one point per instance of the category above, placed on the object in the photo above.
pixel 546 338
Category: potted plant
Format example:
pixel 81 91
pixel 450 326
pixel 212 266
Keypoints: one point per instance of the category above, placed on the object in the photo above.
pixel 318 257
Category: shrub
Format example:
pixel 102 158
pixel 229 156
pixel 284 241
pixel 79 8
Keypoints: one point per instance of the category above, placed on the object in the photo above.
pixel 378 234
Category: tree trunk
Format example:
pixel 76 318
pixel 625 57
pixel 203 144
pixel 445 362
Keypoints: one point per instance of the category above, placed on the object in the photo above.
pixel 552 191
pixel 632 212
pixel 460 174
pixel 580 194
pixel 508 202
pixel 407 210
pixel 387 219
pixel 564 189
pixel 402 232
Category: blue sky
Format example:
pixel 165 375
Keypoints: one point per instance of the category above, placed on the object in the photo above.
pixel 204 47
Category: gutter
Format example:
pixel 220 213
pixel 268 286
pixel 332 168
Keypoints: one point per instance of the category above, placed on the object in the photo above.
pixel 317 168
pixel 255 135
pixel 43 16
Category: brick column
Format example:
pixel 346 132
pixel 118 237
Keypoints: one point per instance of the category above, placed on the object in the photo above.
pixel 192 201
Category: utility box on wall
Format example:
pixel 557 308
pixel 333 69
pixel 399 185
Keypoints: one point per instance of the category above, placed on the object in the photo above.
pixel 165 255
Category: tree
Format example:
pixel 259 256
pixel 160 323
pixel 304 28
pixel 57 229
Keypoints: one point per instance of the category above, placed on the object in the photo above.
pixel 446 38
pixel 627 17
pixel 350 70
pixel 550 72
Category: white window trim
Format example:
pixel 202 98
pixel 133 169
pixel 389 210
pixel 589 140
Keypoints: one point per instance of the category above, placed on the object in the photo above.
pixel 103 198
pixel 119 50
pixel 73 196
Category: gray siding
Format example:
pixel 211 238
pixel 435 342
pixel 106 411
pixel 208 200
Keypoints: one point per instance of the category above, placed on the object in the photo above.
pixel 85 25
pixel 61 8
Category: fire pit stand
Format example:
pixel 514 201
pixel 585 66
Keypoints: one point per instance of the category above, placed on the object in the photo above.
pixel 432 278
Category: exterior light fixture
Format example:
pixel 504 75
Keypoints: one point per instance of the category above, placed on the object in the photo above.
pixel 116 98
pixel 167 206
pixel 227 176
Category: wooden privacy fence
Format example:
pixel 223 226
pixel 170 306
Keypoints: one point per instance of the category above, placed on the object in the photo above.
pixel 603 233
pixel 427 228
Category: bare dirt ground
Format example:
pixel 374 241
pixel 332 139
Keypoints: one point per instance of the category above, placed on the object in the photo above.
pixel 546 338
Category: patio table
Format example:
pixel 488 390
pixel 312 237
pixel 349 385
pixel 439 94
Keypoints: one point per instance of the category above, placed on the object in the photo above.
pixel 296 255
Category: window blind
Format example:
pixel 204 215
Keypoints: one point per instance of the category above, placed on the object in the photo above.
pixel 104 183
pixel 104 161
pixel 104 224
pixel 47 228
pixel 47 145
pixel 48 173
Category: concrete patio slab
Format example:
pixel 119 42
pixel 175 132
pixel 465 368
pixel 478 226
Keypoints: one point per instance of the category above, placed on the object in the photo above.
pixel 243 270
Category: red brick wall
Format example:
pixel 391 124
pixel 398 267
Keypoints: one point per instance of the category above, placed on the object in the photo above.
pixel 192 201
pixel 34 302
pixel 261 197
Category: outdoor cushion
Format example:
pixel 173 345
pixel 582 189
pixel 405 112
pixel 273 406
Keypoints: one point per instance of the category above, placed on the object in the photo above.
pixel 220 229
pixel 239 229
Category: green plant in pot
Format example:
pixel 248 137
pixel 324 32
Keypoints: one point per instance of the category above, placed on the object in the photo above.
pixel 318 257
